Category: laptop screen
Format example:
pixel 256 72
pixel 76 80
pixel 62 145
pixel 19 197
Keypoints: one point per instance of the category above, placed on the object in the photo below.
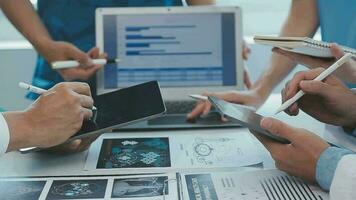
pixel 176 49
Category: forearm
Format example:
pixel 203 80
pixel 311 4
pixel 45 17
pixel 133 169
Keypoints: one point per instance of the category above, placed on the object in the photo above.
pixel 20 130
pixel 24 17
pixel 201 2
pixel 302 21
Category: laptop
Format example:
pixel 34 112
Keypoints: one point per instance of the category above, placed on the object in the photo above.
pixel 188 50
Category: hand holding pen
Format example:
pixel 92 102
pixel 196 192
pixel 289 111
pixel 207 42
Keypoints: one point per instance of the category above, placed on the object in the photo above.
pixel 320 77
pixel 58 114
pixel 37 90
pixel 73 63
pixel 329 101
pixel 56 51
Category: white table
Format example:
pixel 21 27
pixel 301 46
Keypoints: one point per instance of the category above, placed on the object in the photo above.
pixel 40 164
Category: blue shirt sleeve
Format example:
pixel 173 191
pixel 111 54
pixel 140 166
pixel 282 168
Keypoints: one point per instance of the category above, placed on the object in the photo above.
pixel 327 164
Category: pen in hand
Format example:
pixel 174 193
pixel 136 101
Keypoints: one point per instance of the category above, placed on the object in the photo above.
pixel 65 64
pixel 38 90
pixel 321 77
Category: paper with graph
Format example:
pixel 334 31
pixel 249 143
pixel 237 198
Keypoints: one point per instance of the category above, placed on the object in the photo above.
pixel 253 185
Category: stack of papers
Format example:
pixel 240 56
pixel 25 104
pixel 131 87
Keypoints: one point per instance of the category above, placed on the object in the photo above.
pixel 253 185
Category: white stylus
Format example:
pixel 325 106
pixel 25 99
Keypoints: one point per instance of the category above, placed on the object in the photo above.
pixel 32 88
pixel 198 97
pixel 321 77
pixel 73 63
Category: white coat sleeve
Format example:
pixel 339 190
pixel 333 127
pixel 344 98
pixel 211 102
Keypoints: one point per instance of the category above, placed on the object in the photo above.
pixel 344 182
pixel 4 135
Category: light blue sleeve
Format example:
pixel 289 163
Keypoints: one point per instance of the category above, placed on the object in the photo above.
pixel 326 165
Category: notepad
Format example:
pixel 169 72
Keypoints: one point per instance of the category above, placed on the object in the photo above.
pixel 302 45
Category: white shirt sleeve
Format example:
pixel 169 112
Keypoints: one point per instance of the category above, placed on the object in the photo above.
pixel 4 135
pixel 344 183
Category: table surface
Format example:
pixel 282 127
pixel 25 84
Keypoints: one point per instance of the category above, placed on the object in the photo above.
pixel 15 164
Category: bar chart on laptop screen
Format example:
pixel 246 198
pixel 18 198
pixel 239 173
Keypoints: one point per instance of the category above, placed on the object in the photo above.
pixel 177 50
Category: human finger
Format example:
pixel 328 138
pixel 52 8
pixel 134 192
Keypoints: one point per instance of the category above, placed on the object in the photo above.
pixel 279 128
pixel 198 110
pixel 246 52
pixel 83 73
pixel 247 80
pixel 86 101
pixel 284 98
pixel 207 108
pixel 94 52
pixel 316 88
pixel 271 145
pixel 80 56
pixel 78 87
pixel 87 113
pixel 336 51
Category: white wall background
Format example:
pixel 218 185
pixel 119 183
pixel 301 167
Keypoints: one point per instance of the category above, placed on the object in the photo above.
pixel 15 65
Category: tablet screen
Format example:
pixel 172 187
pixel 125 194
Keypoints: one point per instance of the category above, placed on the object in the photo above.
pixel 125 105
pixel 245 116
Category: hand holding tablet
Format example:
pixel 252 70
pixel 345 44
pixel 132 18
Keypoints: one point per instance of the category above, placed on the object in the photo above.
pixel 121 107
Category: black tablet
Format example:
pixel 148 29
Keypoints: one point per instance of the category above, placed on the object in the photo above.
pixel 120 108
pixel 244 115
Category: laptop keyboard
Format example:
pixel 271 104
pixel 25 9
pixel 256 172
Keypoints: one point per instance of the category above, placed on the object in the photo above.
pixel 179 107
pixel 176 119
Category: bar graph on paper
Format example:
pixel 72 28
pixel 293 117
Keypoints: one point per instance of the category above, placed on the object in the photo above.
pixel 177 50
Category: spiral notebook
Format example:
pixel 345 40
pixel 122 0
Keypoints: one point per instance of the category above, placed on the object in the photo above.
pixel 302 45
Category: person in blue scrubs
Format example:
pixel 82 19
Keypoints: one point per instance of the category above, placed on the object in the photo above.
pixel 337 22
pixel 65 31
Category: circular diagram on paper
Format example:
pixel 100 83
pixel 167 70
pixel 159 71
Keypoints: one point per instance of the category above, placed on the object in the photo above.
pixel 203 149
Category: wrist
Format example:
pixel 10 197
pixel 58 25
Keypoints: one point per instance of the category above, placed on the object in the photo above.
pixel 44 46
pixel 21 129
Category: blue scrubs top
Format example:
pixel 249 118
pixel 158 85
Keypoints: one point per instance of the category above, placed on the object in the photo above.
pixel 337 20
pixel 74 21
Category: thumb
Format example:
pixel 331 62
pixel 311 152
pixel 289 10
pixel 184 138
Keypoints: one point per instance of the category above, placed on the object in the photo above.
pixel 94 52
pixel 75 144
pixel 336 51
pixel 80 56
pixel 315 88
pixel 247 79
pixel 278 128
